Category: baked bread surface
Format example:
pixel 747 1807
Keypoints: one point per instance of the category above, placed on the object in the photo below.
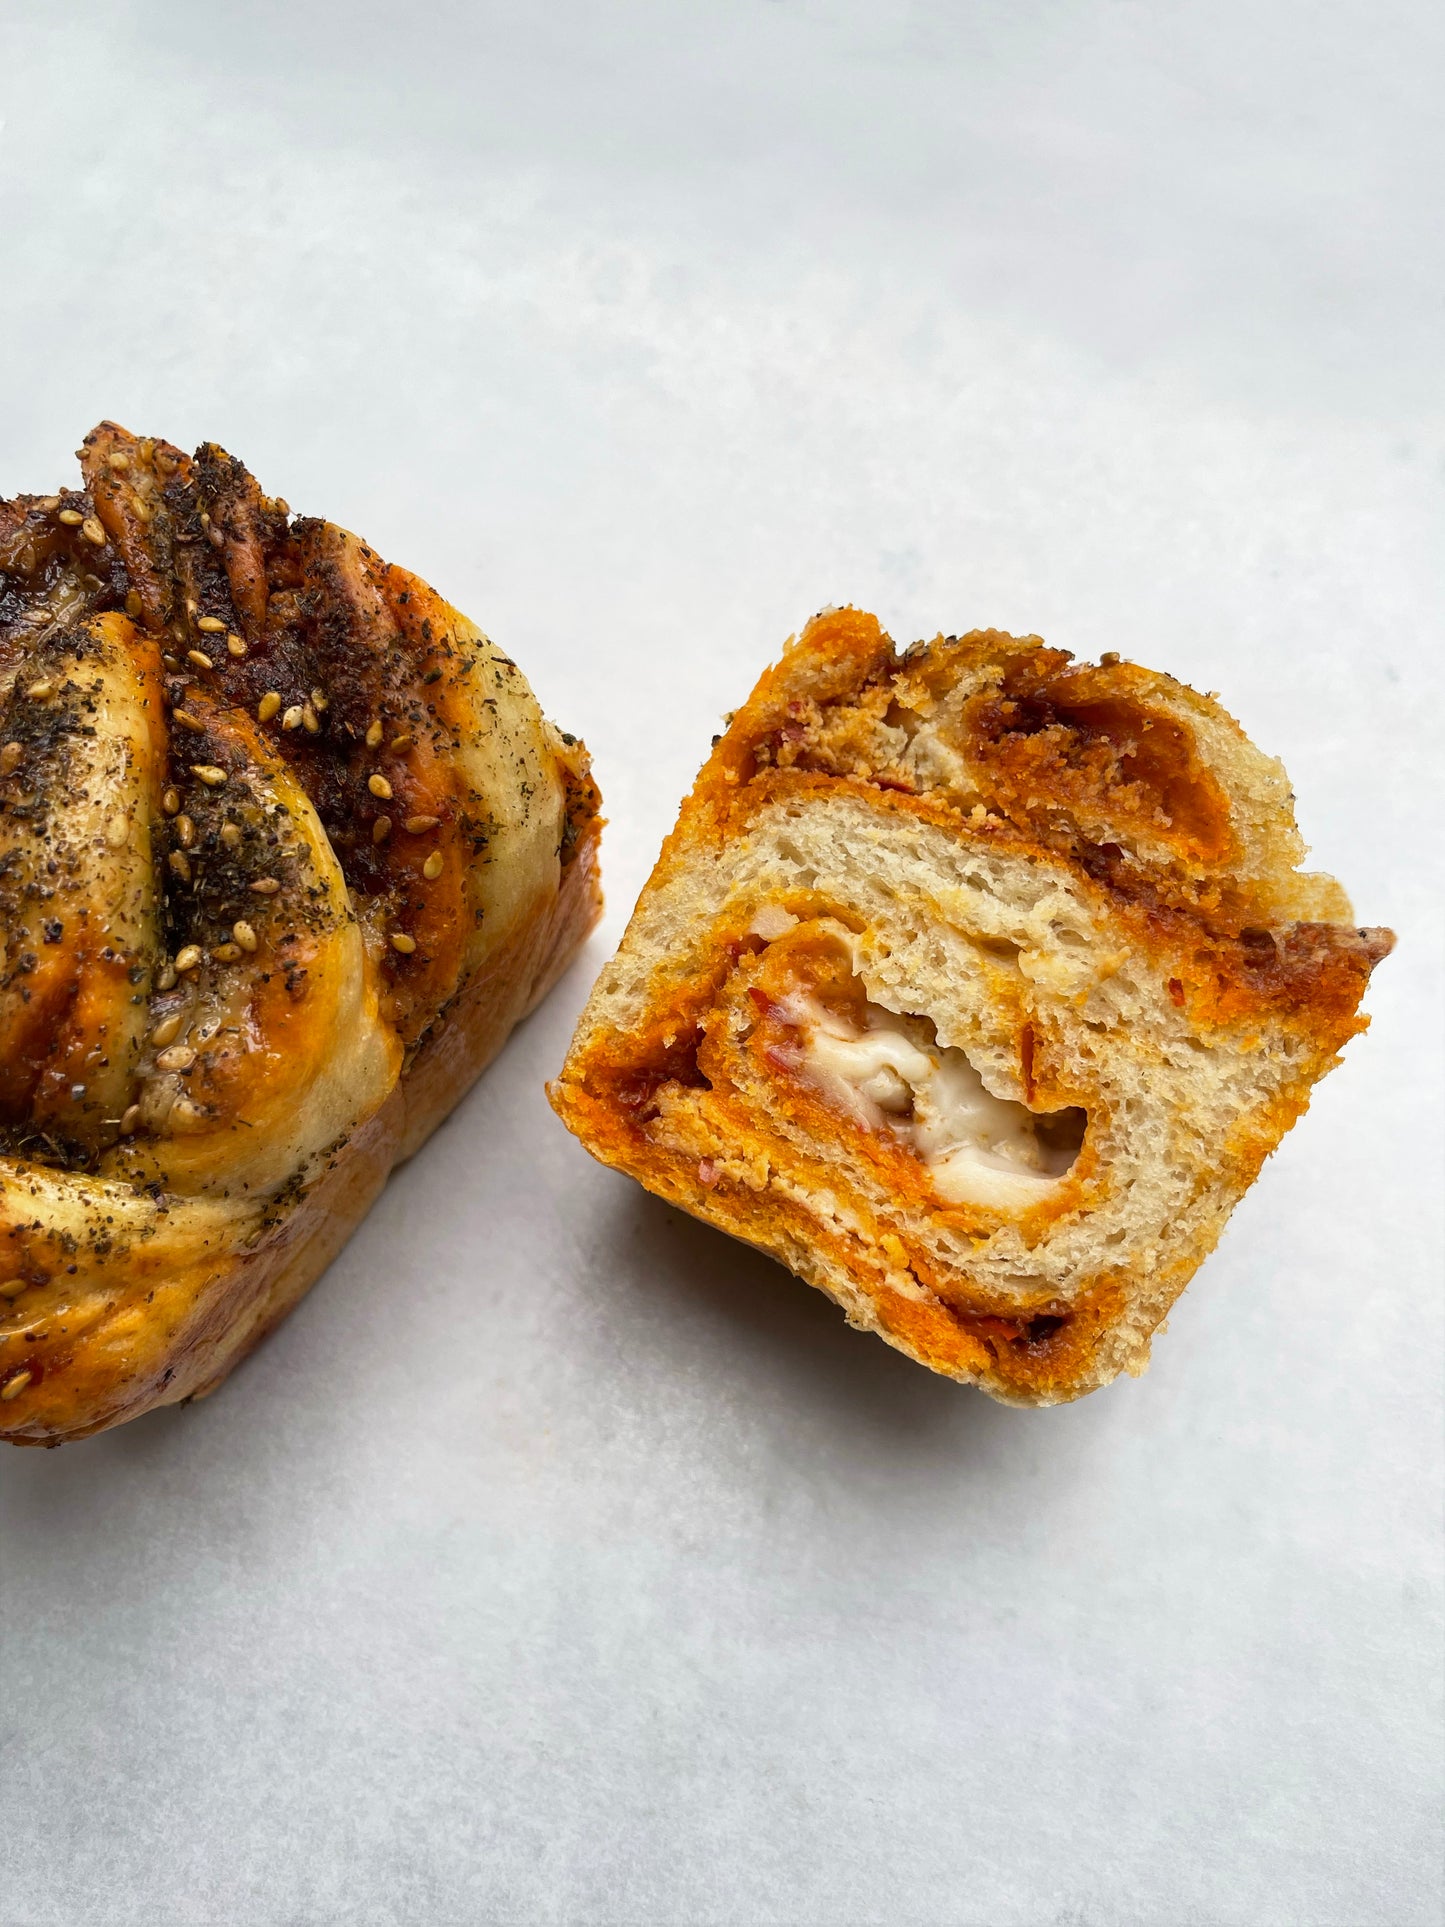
pixel 974 985
pixel 286 849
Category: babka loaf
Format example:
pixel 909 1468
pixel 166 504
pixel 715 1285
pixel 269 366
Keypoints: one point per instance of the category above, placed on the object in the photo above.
pixel 286 849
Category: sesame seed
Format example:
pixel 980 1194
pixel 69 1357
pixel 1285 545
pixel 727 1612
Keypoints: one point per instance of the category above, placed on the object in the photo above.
pixel 400 743
pixel 244 934
pixel 129 1119
pixel 419 825
pixel 179 1057
pixel 166 977
pixel 72 518
pixel 93 532
pixel 374 735
pixel 11 757
pixel 381 829
pixel 265 886
pixel 320 701
pixel 199 658
pixel 186 719
pixel 180 865
pixel 117 831
pixel 12 1287
pixel 432 868
pixel 226 952
pixel 120 463
pixel 283 507
pixel 167 1030
pixel 231 835
pixel 236 646
pixel 16 1383
pixel 42 691
pixel 292 718
pixel 188 957
pixel 211 625
pixel 209 774
pixel 402 942
pixel 310 721
pixel 267 707
pixel 139 507
pixel 133 603
pixel 171 802
pixel 186 831
pixel 379 786
pixel 193 608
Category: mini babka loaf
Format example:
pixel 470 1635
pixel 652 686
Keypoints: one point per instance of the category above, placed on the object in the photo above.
pixel 286 849
pixel 975 985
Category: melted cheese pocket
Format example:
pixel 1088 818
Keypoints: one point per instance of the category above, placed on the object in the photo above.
pixel 976 1148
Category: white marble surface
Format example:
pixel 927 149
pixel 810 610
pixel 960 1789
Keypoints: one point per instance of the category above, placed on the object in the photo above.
pixel 560 1562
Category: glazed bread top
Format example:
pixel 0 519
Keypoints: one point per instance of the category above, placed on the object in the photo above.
pixel 267 804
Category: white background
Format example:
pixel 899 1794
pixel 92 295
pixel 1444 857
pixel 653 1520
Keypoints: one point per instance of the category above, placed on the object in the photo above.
pixel 560 1561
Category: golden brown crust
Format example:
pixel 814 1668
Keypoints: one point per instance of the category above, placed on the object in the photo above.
pixel 1165 844
pixel 286 849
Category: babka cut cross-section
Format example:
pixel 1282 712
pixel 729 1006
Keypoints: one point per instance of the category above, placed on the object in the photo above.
pixel 974 985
